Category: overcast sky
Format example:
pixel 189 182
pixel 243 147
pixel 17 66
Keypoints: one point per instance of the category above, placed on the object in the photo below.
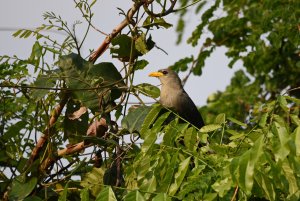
pixel 28 14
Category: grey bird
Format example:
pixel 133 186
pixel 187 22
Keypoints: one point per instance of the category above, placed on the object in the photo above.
pixel 174 97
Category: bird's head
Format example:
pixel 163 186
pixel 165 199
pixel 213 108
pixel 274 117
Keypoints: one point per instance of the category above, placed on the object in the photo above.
pixel 167 77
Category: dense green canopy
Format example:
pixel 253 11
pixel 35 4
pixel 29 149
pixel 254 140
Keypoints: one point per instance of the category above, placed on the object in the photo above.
pixel 67 130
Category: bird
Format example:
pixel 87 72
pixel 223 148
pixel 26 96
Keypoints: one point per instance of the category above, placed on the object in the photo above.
pixel 174 97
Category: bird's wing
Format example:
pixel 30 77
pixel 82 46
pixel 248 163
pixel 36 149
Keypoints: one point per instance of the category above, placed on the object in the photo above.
pixel 189 111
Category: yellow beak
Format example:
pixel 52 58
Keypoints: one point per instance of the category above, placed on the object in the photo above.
pixel 156 74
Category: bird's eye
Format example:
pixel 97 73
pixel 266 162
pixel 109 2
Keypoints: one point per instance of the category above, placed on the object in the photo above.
pixel 164 72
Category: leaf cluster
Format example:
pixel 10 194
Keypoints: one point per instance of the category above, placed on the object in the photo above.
pixel 67 132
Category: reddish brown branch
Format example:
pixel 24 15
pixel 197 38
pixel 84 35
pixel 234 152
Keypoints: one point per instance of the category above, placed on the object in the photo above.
pixel 72 149
pixel 55 114
pixel 101 49
pixel 76 148
pixel 97 128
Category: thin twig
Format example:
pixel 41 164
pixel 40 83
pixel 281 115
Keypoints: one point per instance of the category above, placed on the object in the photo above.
pixel 235 192
pixel 184 80
pixel 161 49
pixel 61 88
pixel 185 7
pixel 164 13
pixel 290 90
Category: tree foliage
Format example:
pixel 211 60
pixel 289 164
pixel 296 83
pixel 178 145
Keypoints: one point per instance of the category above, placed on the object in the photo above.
pixel 262 36
pixel 67 132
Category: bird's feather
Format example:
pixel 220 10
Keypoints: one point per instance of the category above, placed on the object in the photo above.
pixel 173 96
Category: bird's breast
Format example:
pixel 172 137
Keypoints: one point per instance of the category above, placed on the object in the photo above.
pixel 169 98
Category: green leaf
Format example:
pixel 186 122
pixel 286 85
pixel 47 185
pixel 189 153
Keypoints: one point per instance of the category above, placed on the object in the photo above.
pixel 20 190
pixel 36 50
pixel 84 194
pixel 14 130
pixel 295 100
pixel 162 197
pixel 106 75
pixel 168 178
pixel 220 119
pixel 234 166
pixel 134 119
pixel 118 112
pixel 107 194
pixel 282 149
pixel 148 90
pixel 197 70
pixel 75 70
pixel 190 139
pixel 106 72
pixel 93 2
pixel 26 33
pixel 275 39
pixel 266 185
pixel 134 196
pixel 179 176
pixel 90 83
pixel 149 185
pixel 222 186
pixel 124 48
pixel 140 65
pixel 159 122
pixel 241 135
pixel 204 20
pixel 33 198
pixel 150 118
pixel 233 120
pixel 283 103
pixel 148 22
pixel 263 120
pixel 162 23
pixel 157 22
pixel 247 163
pixel 210 196
pixel 232 132
pixel 290 176
pixel 140 44
pixel 182 64
pixel 210 128
pixel 295 119
pixel 43 81
pixel 64 194
pixel 296 140
pixel 150 138
pixel 93 180
pixel 17 33
pixel 169 137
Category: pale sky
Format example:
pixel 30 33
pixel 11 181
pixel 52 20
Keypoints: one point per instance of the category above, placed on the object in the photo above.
pixel 28 14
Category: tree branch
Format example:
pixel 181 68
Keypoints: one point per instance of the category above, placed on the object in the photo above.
pixel 98 128
pixel 101 49
pixel 55 114
pixel 184 80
